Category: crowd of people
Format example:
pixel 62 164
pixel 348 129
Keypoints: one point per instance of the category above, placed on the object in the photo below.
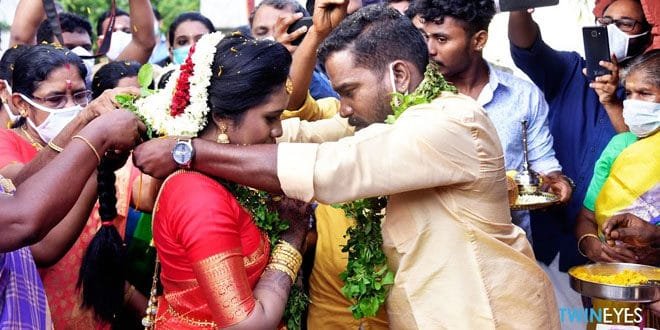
pixel 201 179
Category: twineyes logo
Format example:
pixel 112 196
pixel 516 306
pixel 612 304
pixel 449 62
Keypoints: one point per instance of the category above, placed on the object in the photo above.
pixel 604 315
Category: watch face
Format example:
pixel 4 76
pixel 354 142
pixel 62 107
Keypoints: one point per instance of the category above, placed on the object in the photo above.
pixel 182 153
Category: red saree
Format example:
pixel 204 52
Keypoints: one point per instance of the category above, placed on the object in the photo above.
pixel 211 254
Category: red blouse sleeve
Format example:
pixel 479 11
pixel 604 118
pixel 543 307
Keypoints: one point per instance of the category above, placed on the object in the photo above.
pixel 205 213
pixel 204 219
pixel 13 149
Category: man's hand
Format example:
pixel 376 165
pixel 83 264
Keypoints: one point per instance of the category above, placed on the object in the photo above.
pixel 328 14
pixel 605 86
pixel 558 185
pixel 154 157
pixel 280 30
pixel 630 229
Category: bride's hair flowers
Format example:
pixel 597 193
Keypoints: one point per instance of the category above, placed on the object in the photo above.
pixel 181 108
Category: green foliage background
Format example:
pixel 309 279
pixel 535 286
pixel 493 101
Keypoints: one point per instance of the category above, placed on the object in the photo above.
pixel 92 9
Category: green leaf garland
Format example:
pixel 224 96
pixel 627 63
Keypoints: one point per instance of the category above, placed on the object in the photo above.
pixel 127 101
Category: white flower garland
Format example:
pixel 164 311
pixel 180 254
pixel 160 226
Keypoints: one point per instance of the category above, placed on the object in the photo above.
pixel 155 108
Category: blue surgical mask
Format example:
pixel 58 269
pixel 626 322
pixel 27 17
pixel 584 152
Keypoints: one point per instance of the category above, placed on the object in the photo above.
pixel 179 54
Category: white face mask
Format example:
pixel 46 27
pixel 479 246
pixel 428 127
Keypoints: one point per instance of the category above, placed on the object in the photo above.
pixel 56 120
pixel 89 63
pixel 5 106
pixel 642 117
pixel 119 41
pixel 619 41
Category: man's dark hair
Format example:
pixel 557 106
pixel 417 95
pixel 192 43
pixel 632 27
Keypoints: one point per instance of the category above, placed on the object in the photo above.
pixel 377 35
pixel 106 14
pixel 157 14
pixel 476 14
pixel 280 5
pixel 69 22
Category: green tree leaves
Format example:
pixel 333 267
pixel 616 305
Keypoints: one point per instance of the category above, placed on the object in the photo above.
pixel 92 9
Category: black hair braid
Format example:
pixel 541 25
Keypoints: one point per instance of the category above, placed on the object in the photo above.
pixel 102 271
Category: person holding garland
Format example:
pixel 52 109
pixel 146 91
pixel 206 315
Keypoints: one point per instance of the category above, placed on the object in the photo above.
pixel 213 255
pixel 448 236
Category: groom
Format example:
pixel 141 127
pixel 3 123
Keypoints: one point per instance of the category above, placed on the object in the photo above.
pixel 459 261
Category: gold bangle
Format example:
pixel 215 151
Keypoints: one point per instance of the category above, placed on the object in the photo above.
pixel 55 147
pixel 91 146
pixel 286 270
pixel 286 247
pixel 287 256
pixel 580 241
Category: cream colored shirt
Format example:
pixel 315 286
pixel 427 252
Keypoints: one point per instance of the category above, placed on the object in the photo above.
pixel 459 261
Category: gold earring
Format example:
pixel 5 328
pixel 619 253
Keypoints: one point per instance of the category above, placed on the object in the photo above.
pixel 288 86
pixel 223 138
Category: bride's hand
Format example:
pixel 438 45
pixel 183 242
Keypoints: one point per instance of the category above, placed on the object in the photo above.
pixel 297 213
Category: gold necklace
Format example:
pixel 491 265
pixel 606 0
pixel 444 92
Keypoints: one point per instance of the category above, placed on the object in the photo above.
pixel 32 141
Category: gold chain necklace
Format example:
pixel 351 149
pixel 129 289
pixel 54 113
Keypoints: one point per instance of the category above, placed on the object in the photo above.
pixel 32 141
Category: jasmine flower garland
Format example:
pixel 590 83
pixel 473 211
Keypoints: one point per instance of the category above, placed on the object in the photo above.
pixel 367 278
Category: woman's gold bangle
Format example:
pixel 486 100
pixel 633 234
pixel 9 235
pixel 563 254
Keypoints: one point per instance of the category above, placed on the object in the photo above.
pixel 55 147
pixel 580 241
pixel 286 270
pixel 91 146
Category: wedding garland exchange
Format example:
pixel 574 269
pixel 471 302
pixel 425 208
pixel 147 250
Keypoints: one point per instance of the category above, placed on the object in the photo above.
pixel 367 277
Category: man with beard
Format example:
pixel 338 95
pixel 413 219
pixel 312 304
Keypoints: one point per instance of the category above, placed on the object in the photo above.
pixel 459 261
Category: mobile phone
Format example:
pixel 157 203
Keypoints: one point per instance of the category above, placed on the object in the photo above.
pixel 596 49
pixel 305 21
pixel 514 5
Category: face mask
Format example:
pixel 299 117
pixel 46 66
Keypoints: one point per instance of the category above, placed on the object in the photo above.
pixel 619 41
pixel 119 41
pixel 89 63
pixel 395 100
pixel 156 29
pixel 642 117
pixel 56 120
pixel 5 106
pixel 180 54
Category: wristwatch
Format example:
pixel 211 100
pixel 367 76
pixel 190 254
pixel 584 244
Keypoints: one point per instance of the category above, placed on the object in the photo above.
pixel 570 181
pixel 183 153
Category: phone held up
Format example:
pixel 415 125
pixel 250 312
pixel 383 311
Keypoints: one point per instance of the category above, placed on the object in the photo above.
pixel 596 49
pixel 305 21
pixel 514 5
